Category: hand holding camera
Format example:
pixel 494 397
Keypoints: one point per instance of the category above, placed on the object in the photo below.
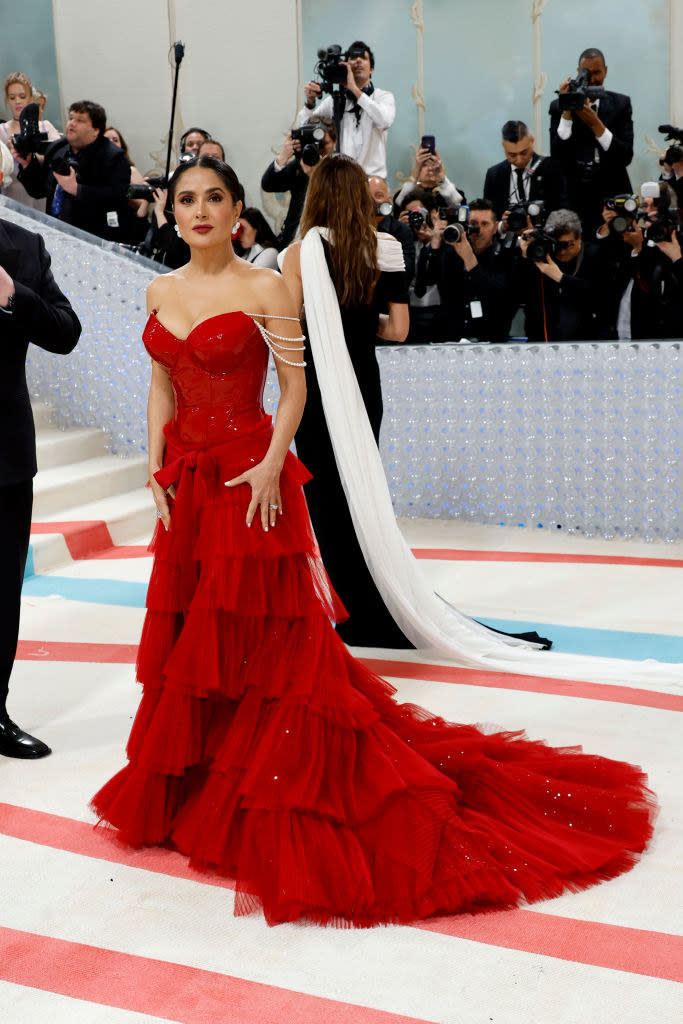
pixel 313 92
pixel 66 177
pixel 289 147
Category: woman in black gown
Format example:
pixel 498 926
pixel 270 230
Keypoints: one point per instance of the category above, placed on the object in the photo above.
pixel 373 303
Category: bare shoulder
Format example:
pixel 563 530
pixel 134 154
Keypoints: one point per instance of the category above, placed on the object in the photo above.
pixel 270 292
pixel 292 258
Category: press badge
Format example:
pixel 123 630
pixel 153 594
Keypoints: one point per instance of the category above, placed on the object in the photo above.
pixel 475 309
pixel 113 222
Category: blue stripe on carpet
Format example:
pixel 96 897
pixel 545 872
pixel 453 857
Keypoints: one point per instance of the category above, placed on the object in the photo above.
pixel 605 643
pixel 30 567
pixel 122 592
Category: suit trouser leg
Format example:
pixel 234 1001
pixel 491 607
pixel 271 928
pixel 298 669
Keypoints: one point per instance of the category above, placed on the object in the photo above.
pixel 16 502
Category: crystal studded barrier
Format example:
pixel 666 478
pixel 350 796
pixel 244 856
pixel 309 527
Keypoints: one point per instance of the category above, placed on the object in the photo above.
pixel 583 437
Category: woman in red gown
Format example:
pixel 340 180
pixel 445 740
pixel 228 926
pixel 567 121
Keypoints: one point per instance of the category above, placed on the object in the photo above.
pixel 261 748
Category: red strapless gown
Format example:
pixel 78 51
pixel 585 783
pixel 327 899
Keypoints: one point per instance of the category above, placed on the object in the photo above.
pixel 264 751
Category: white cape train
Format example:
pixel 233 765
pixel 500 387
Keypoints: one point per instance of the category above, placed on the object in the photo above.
pixel 437 629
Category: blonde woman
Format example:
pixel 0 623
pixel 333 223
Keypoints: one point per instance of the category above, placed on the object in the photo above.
pixel 19 93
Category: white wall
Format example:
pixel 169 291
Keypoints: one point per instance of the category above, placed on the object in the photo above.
pixel 239 78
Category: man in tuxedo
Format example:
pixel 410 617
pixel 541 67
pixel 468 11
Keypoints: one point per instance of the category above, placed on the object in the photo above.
pixel 84 176
pixel 594 144
pixel 523 175
pixel 32 309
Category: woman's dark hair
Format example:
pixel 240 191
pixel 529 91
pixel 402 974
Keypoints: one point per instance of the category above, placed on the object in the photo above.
pixel 191 131
pixel 124 144
pixel 211 163
pixel 338 198
pixel 264 234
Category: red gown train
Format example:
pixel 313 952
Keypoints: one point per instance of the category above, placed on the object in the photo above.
pixel 264 751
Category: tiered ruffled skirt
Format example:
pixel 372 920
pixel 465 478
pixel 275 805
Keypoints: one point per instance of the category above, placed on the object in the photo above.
pixel 264 751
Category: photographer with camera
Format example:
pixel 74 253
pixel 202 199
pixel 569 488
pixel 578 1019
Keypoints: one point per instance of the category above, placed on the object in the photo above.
pixel 562 282
pixel 385 221
pixel 523 177
pixel 474 272
pixel 289 172
pixel 424 301
pixel 671 160
pixel 429 175
pixel 591 135
pixel 367 113
pixel 19 92
pixel 83 176
pixel 643 260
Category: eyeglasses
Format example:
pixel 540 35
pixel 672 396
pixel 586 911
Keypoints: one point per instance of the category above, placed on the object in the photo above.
pixel 565 245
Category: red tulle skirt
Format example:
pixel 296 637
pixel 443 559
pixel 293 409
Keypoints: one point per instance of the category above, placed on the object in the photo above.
pixel 264 751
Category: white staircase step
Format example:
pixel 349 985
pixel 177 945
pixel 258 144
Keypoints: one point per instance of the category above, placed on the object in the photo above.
pixel 42 414
pixel 58 490
pixel 58 447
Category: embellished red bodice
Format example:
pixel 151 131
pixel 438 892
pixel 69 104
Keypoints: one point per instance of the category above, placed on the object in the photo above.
pixel 218 374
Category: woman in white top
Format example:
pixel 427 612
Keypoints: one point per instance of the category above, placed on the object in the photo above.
pixel 257 239
pixel 19 93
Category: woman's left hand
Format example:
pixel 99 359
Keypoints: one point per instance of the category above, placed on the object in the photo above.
pixel 264 481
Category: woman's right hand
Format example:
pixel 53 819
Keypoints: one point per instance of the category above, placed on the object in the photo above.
pixel 161 500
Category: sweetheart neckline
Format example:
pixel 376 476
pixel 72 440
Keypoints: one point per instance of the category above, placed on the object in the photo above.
pixel 208 319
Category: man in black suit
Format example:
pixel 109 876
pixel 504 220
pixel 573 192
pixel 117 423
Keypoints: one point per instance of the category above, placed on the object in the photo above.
pixel 32 309
pixel 289 172
pixel 594 144
pixel 84 176
pixel 523 175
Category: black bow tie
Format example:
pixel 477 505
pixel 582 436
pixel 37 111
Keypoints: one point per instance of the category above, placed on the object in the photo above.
pixel 356 109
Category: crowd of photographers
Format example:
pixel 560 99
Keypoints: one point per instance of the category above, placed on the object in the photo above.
pixel 557 248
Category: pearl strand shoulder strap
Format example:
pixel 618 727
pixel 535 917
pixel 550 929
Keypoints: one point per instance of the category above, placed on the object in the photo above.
pixel 269 336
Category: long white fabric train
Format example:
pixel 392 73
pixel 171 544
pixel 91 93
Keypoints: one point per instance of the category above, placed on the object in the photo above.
pixel 436 628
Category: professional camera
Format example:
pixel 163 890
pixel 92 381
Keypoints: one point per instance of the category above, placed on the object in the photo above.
pixel 458 218
pixel 659 226
pixel 542 243
pixel 147 191
pixel 534 209
pixel 384 209
pixel 312 138
pixel 29 139
pixel 674 153
pixel 626 209
pixel 416 218
pixel 64 165
pixel 329 67
pixel 579 91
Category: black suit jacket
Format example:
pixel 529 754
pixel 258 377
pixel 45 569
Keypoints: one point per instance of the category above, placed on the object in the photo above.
pixel 576 309
pixel 103 175
pixel 42 315
pixel 293 180
pixel 609 176
pixel 547 183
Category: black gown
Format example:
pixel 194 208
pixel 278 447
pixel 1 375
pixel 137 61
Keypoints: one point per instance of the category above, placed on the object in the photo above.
pixel 370 623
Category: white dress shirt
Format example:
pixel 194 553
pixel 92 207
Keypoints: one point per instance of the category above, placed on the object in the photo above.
pixel 366 141
pixel 566 125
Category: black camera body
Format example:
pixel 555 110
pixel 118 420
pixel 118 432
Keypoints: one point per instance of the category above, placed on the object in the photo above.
pixel 64 165
pixel 458 222
pixel 416 218
pixel 661 227
pixel 674 153
pixel 329 67
pixel 579 91
pixel 312 138
pixel 533 209
pixel 29 139
pixel 147 191
pixel 542 244
pixel 626 209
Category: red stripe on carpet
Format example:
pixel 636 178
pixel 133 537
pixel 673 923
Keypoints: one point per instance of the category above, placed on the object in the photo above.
pixel 91 539
pixel 56 650
pixel 125 654
pixel 655 954
pixel 467 555
pixel 529 684
pixel 161 989
pixel 633 950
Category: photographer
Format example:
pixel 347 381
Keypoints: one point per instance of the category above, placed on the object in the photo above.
pixel 591 135
pixel 426 314
pixel 368 112
pixel 289 171
pixel 391 225
pixel 83 176
pixel 191 142
pixel 429 175
pixel 19 92
pixel 523 175
pixel 474 272
pixel 671 160
pixel 563 282
pixel 646 267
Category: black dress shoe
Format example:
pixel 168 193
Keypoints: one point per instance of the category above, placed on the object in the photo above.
pixel 14 742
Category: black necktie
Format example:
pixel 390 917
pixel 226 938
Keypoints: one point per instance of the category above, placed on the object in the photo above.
pixel 521 194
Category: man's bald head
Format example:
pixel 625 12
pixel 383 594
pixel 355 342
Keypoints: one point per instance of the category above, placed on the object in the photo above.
pixel 378 189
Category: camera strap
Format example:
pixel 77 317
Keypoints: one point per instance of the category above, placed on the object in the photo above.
pixel 355 107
